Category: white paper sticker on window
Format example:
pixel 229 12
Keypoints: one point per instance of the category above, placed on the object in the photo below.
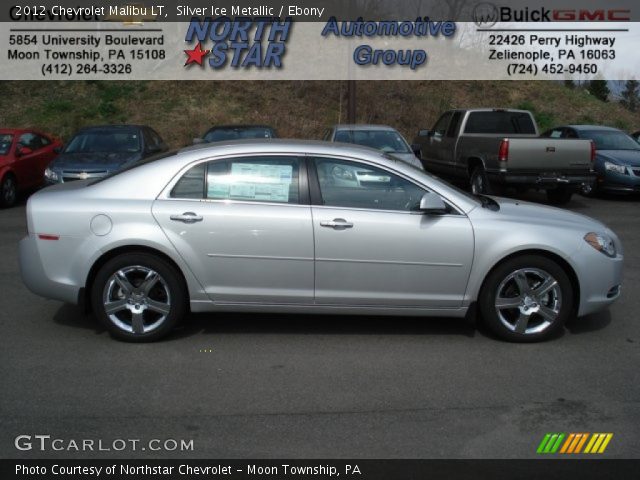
pixel 253 181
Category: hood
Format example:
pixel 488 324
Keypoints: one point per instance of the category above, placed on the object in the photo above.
pixel 533 213
pixel 622 157
pixel 93 161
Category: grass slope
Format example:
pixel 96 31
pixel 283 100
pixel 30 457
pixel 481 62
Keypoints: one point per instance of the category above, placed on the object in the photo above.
pixel 183 110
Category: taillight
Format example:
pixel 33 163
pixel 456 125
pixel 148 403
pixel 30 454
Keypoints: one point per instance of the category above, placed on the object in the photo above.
pixel 593 152
pixel 503 151
pixel 48 236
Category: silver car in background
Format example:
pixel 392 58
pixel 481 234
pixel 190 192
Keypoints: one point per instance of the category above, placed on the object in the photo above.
pixel 309 227
pixel 381 137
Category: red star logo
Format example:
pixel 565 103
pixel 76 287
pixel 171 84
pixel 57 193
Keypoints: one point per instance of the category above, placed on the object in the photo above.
pixel 195 55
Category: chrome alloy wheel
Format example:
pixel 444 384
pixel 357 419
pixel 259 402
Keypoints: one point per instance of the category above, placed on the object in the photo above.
pixel 136 299
pixel 528 301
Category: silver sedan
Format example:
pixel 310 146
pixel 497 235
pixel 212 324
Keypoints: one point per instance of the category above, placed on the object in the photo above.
pixel 303 227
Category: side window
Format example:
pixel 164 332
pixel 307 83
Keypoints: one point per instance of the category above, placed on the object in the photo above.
pixel 257 179
pixel 154 139
pixel 327 135
pixel 44 141
pixel 453 126
pixel 30 140
pixel 191 185
pixel 555 133
pixel 570 133
pixel 355 185
pixel 441 125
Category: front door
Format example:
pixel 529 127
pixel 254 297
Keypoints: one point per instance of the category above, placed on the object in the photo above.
pixel 374 248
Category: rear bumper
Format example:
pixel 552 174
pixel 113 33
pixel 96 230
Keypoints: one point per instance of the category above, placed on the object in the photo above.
pixel 541 179
pixel 36 279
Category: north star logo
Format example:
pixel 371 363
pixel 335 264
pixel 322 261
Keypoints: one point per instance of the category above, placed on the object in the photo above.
pixel 196 55
pixel 242 42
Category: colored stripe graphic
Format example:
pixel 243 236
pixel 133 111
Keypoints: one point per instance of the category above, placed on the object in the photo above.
pixel 598 443
pixel 573 443
pixel 550 443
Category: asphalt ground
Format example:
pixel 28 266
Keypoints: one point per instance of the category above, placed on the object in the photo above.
pixel 307 386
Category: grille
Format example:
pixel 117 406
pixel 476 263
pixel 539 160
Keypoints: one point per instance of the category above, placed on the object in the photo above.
pixel 72 175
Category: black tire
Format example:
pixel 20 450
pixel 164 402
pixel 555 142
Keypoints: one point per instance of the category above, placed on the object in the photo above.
pixel 8 191
pixel 559 196
pixel 589 190
pixel 479 182
pixel 167 292
pixel 537 328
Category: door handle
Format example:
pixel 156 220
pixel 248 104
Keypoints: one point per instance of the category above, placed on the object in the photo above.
pixel 337 224
pixel 186 217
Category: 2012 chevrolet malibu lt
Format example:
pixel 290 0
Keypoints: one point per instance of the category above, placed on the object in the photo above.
pixel 304 227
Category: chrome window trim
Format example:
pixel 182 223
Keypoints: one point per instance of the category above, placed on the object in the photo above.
pixel 165 193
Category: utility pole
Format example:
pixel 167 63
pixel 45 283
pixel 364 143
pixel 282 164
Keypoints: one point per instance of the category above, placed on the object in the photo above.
pixel 351 101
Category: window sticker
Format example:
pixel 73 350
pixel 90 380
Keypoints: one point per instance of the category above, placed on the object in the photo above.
pixel 252 181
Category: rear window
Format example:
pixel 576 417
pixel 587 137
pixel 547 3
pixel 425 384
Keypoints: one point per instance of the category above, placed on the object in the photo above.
pixel 500 123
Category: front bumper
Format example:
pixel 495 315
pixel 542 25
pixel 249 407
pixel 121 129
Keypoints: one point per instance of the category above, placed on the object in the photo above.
pixel 600 278
pixel 618 182
pixel 35 277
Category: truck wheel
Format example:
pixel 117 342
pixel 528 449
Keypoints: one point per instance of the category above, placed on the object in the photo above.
pixel 479 183
pixel 559 196
pixel 526 299
pixel 588 189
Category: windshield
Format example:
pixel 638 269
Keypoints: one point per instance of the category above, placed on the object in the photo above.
pixel 610 140
pixel 111 141
pixel 388 141
pixel 5 143
pixel 240 133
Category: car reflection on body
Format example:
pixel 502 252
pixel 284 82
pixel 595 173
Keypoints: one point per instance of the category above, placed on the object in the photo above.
pixel 309 227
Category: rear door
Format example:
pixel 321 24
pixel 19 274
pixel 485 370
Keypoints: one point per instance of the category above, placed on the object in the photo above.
pixel 243 225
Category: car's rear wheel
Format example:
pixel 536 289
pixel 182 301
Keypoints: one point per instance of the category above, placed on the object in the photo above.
pixel 8 191
pixel 526 299
pixel 138 297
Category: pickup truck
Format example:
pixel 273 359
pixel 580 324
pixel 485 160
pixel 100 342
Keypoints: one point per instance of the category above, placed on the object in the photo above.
pixel 492 149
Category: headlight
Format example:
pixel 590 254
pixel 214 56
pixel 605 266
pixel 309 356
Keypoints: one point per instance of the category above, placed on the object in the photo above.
pixel 601 242
pixel 50 175
pixel 612 167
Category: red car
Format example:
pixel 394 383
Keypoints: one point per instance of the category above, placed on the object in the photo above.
pixel 24 155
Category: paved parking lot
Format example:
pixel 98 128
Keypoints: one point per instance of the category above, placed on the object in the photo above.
pixel 261 386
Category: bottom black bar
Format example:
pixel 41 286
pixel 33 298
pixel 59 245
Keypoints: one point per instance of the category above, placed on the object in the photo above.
pixel 545 469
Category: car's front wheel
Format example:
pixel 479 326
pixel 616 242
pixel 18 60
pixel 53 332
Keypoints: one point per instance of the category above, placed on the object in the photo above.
pixel 138 297
pixel 526 299
pixel 8 191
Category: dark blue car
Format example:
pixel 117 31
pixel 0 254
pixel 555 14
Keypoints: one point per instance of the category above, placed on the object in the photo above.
pixel 94 152
pixel 617 162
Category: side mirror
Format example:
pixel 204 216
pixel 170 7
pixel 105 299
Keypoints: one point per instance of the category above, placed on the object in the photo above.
pixel 424 133
pixel 432 203
pixel 58 149
pixel 415 148
pixel 196 141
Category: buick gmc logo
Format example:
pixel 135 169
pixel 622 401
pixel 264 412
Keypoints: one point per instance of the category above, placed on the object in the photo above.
pixel 486 14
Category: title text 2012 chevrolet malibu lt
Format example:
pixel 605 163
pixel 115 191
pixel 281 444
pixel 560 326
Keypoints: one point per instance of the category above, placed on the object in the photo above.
pixel 285 226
